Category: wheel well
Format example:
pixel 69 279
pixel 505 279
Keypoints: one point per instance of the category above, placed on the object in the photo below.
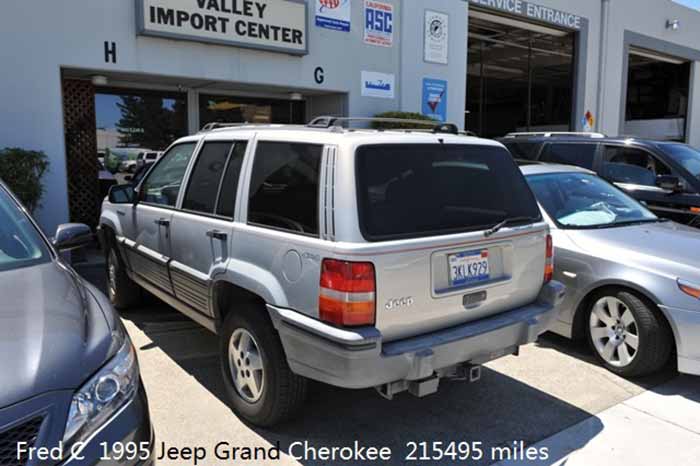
pixel 579 325
pixel 226 295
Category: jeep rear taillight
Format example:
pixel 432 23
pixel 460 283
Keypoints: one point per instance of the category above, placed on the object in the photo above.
pixel 549 261
pixel 347 295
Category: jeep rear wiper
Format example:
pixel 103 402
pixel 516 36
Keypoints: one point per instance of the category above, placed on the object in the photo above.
pixel 501 224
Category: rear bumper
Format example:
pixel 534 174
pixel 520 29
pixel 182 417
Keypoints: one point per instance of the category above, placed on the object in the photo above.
pixel 686 328
pixel 358 358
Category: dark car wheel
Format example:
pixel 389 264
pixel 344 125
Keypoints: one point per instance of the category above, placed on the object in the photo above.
pixel 259 383
pixel 122 291
pixel 627 334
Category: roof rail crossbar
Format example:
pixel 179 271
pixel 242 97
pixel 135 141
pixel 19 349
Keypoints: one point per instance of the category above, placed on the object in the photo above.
pixel 430 125
pixel 549 134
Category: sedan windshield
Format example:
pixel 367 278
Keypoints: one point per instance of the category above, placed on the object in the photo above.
pixel 20 243
pixel 580 200
pixel 686 156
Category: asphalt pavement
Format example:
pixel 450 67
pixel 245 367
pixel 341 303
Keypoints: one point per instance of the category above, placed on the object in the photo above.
pixel 552 386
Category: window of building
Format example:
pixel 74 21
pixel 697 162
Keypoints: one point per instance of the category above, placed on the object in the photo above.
pixel 228 109
pixel 206 177
pixel 163 183
pixel 632 165
pixel 581 154
pixel 284 187
pixel 229 187
pixel 520 76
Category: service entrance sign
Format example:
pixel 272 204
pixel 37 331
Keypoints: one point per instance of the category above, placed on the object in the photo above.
pixel 276 25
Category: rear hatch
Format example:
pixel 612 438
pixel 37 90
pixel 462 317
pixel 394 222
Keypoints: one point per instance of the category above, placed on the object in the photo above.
pixel 426 211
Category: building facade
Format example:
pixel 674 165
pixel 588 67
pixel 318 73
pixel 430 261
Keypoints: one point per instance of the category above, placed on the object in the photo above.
pixel 89 78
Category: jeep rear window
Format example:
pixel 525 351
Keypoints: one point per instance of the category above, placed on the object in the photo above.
pixel 417 190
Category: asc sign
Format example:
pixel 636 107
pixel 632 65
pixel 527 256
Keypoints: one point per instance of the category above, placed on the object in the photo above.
pixel 276 25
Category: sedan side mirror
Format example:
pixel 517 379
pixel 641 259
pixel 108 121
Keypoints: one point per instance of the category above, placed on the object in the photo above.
pixel 669 183
pixel 71 236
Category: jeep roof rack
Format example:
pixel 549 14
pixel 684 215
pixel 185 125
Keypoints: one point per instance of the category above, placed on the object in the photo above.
pixel 421 125
pixel 549 134
pixel 218 125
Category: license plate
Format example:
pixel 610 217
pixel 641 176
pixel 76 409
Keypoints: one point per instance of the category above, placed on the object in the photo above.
pixel 468 267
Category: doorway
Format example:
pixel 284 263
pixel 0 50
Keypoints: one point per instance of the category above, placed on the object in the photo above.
pixel 520 76
pixel 657 96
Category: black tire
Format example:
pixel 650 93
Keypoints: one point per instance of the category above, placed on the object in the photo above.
pixel 283 392
pixel 655 340
pixel 123 292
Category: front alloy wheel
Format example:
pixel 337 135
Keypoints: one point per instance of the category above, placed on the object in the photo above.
pixel 614 331
pixel 628 333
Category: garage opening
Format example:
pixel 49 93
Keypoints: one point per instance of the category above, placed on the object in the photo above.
pixel 657 96
pixel 520 76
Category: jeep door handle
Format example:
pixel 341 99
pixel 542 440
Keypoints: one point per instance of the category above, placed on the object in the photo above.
pixel 216 234
pixel 162 222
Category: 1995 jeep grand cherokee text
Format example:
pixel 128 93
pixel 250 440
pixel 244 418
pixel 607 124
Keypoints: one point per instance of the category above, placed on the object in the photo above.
pixel 359 258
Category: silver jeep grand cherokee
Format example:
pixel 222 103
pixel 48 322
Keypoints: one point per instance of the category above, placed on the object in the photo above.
pixel 355 257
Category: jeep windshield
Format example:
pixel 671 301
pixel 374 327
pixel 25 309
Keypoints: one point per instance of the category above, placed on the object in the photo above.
pixel 418 190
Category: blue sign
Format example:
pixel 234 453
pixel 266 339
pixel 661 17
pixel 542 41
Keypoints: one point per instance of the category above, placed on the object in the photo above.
pixel 434 99
pixel 333 14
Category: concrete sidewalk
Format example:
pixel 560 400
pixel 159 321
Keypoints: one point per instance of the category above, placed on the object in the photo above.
pixel 660 426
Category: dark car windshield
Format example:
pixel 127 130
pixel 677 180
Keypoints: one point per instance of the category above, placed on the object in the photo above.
pixel 415 190
pixel 684 155
pixel 580 200
pixel 20 243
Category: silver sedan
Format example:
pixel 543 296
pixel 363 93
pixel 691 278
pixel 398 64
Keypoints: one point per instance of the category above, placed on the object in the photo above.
pixel 633 280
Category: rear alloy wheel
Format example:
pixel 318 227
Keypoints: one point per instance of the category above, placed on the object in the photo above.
pixel 627 335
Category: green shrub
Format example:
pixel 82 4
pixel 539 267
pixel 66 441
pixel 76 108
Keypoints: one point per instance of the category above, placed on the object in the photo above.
pixel 21 170
pixel 401 115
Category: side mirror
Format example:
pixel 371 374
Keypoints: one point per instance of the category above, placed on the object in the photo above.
pixel 71 236
pixel 122 194
pixel 669 183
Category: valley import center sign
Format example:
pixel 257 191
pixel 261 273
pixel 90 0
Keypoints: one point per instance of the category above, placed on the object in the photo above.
pixel 274 25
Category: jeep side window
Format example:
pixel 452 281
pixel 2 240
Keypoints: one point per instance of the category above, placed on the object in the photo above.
pixel 163 183
pixel 580 155
pixel 284 187
pixel 204 182
pixel 632 165
pixel 229 187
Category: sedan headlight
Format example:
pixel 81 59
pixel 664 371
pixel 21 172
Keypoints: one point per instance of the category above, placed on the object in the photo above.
pixel 105 393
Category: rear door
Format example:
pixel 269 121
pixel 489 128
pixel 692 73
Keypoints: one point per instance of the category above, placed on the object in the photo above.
pixel 579 154
pixel 202 228
pixel 425 211
pixel 148 243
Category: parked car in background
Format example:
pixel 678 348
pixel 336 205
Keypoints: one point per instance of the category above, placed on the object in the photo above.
pixel 146 157
pixel 337 255
pixel 69 375
pixel 633 279
pixel 127 166
pixel 665 176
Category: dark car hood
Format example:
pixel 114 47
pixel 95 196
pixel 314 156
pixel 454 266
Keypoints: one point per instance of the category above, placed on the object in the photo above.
pixel 667 248
pixel 53 333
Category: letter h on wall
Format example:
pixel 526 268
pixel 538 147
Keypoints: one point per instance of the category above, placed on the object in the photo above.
pixel 110 52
